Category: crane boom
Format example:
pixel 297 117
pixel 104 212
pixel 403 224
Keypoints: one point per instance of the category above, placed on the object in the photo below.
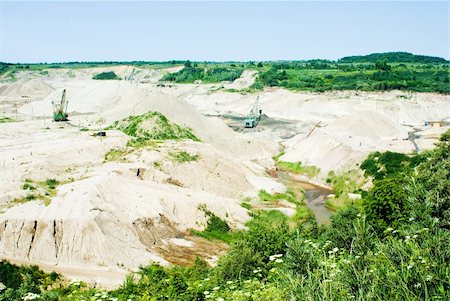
pixel 60 108
pixel 254 116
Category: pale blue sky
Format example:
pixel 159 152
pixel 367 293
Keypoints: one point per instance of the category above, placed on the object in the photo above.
pixel 220 31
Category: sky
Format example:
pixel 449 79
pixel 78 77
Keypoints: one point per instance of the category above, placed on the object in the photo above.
pixel 32 32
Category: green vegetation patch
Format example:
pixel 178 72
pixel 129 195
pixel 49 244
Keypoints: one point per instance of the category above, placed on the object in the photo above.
pixel 216 228
pixel 183 157
pixel 206 75
pixel 288 196
pixel 388 164
pixel 6 119
pixel 152 126
pixel 106 76
pixel 38 191
pixel 298 168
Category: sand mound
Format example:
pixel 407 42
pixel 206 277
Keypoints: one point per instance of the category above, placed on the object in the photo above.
pixel 89 223
pixel 30 88
pixel 246 79
pixel 369 124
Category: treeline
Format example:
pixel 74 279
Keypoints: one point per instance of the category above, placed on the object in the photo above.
pixel 393 57
pixel 393 245
pixel 190 74
pixel 380 76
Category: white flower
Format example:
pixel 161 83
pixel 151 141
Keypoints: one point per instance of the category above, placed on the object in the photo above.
pixel 335 250
pixel 30 296
pixel 216 288
pixel 279 260
pixel 220 299
pixel 428 278
pixel 411 219
pixel 410 266
pixel 2 286
pixel 423 261
pixel 333 265
pixel 206 292
pixel 408 237
pixel 229 282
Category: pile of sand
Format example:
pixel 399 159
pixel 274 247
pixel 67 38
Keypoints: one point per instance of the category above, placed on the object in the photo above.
pixel 28 88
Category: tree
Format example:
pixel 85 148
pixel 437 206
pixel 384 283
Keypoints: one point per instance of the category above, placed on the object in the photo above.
pixel 383 66
pixel 386 204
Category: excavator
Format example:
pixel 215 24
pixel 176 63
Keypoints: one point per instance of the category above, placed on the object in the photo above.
pixel 254 116
pixel 60 108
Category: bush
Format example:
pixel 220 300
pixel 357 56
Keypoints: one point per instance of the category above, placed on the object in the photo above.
pixel 386 204
pixel 106 76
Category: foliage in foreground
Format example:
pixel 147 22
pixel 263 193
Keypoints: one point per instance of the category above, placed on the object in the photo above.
pixel 377 251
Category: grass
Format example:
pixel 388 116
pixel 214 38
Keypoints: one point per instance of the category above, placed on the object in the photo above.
pixel 6 119
pixel 342 184
pixel 288 196
pixel 302 212
pixel 216 228
pixel 298 168
pixel 116 154
pixel 183 157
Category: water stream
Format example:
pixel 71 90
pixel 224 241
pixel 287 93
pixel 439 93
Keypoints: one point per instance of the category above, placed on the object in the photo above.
pixel 315 196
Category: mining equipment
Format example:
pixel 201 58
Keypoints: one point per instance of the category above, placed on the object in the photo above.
pixel 60 108
pixel 254 116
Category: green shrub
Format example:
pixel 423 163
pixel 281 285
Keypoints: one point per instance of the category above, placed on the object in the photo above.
pixel 298 168
pixel 183 157
pixel 386 204
pixel 106 76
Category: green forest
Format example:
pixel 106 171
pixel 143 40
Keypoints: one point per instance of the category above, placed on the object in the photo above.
pixel 394 245
pixel 373 72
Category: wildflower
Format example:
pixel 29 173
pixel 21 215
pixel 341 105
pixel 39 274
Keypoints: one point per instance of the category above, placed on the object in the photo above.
pixel 335 250
pixel 333 265
pixel 229 282
pixel 216 288
pixel 220 299
pixel 206 279
pixel 429 277
pixel 410 266
pixel 407 237
pixel 206 293
pixel 415 236
pixel 357 256
pixel 2 286
pixel 358 215
pixel 411 219
pixel 395 231
pixel 31 296
pixel 423 261
pixel 279 260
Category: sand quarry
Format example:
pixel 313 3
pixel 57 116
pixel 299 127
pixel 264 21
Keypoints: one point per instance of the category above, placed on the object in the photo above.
pixel 106 219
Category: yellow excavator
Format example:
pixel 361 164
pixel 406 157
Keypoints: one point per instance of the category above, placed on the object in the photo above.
pixel 60 108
